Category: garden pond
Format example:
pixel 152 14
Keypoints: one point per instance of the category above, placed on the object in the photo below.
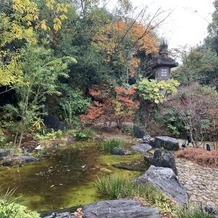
pixel 64 178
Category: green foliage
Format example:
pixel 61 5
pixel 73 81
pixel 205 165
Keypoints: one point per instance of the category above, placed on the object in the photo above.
pixel 11 209
pixel 73 104
pixel 154 91
pixel 83 134
pixel 10 73
pixel 192 212
pixel 17 24
pixel 115 186
pixel 110 144
pixel 14 210
pixel 51 134
pixel 2 138
pixel 174 123
pixel 200 64
pixel 196 107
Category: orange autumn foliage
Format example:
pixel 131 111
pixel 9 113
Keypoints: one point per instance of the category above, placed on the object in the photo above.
pixel 124 40
pixel 114 104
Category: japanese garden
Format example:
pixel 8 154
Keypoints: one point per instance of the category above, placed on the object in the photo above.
pixel 99 117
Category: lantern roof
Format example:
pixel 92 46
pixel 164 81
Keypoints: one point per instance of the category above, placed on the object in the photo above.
pixel 162 59
pixel 215 3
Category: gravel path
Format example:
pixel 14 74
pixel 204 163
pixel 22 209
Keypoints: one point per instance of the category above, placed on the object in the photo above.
pixel 201 182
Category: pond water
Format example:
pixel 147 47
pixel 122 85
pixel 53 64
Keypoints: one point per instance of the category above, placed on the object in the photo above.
pixel 63 179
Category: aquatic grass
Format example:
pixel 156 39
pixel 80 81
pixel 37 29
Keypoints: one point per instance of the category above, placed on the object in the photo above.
pixel 8 194
pixel 193 212
pixel 114 186
pixel 109 144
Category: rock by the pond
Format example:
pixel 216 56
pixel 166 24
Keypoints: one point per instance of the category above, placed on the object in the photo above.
pixel 138 132
pixel 143 148
pixel 113 209
pixel 134 165
pixel 166 180
pixel 119 209
pixel 212 211
pixel 165 160
pixel 120 151
pixel 18 160
pixel 148 158
pixel 166 142
pixel 70 140
pixel 4 153
pixel 146 139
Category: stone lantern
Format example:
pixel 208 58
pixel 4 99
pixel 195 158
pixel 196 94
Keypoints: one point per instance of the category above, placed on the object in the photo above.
pixel 162 64
pixel 216 4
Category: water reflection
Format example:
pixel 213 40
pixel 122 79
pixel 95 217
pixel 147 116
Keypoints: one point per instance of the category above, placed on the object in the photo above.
pixel 46 184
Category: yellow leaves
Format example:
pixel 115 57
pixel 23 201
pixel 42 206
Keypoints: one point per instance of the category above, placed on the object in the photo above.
pixel 16 31
pixel 10 73
pixel 18 25
pixel 59 11
pixel 49 5
pixel 43 25
pixel 156 91
pixel 57 24
pixel 56 27
pixel 27 8
pixel 63 17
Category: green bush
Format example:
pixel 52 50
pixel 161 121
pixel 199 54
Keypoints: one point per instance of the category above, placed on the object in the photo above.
pixel 83 135
pixel 110 144
pixel 14 210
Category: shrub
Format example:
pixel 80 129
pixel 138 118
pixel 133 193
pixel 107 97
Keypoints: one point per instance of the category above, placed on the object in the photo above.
pixel 14 210
pixel 110 144
pixel 200 156
pixel 83 135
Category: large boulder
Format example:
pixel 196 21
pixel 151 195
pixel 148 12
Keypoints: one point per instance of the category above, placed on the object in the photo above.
pixel 166 180
pixel 113 209
pixel 143 148
pixel 120 151
pixel 138 132
pixel 165 160
pixel 4 153
pixel 18 160
pixel 166 142
pixel 119 209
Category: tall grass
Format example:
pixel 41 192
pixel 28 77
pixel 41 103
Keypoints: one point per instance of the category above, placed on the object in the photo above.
pixel 109 144
pixel 193 212
pixel 114 186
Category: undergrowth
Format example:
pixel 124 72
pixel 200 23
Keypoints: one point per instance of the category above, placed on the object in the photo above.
pixel 200 156
pixel 114 187
pixel 193 212
pixel 11 209
pixel 110 144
